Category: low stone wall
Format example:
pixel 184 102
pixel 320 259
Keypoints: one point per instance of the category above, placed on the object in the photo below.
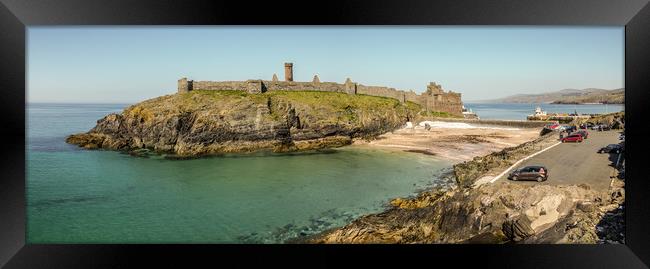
pixel 514 123
pixel 508 123
pixel 468 172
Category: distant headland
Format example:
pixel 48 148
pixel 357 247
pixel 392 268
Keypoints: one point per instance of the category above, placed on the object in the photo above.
pixel 568 96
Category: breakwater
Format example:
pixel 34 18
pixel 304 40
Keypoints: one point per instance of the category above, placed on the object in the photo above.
pixel 509 123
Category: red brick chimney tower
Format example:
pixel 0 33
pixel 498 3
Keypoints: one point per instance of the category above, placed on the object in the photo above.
pixel 288 71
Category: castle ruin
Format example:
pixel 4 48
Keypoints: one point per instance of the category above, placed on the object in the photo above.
pixel 433 99
pixel 288 71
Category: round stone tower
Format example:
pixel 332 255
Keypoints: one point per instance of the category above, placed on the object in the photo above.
pixel 288 71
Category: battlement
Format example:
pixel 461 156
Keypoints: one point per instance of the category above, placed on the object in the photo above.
pixel 434 99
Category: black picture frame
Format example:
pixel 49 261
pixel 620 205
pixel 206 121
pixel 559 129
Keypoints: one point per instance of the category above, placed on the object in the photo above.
pixel 16 15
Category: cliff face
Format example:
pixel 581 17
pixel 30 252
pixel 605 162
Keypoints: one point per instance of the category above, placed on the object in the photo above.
pixel 493 213
pixel 211 122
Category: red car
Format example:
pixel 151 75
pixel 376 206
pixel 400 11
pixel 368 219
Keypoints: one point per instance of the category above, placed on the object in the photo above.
pixel 572 138
pixel 552 126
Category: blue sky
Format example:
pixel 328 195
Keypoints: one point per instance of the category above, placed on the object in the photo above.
pixel 130 64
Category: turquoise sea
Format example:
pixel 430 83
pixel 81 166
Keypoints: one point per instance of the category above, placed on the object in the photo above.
pixel 84 196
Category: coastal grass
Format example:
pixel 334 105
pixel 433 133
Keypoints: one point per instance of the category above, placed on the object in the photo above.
pixel 314 99
pixel 438 114
pixel 340 100
pixel 324 107
pixel 336 108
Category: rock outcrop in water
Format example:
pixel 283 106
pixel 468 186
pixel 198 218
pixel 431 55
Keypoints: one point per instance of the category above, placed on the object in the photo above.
pixel 212 122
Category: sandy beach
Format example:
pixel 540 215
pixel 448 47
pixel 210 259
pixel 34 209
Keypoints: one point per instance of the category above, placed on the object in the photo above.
pixel 452 140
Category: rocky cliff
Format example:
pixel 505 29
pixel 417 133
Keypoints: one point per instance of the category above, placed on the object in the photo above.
pixel 492 213
pixel 212 122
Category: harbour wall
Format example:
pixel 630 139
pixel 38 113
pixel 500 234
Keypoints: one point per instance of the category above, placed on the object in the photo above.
pixel 508 123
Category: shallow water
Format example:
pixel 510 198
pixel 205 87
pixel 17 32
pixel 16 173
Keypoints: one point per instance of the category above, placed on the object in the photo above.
pixel 82 196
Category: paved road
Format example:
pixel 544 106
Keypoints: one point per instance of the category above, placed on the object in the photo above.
pixel 577 163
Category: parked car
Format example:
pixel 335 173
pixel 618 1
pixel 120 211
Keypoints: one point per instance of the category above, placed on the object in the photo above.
pixel 598 127
pixel 552 126
pixel 583 133
pixel 567 128
pixel 601 127
pixel 571 129
pixel 621 137
pixel 535 172
pixel 611 148
pixel 572 138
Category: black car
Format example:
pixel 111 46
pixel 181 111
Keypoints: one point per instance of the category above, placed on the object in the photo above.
pixel 570 129
pixel 601 127
pixel 583 133
pixel 611 148
pixel 534 172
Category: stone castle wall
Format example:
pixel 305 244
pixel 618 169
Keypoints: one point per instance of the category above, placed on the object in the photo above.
pixel 304 86
pixel 219 85
pixel 435 99
pixel 382 91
